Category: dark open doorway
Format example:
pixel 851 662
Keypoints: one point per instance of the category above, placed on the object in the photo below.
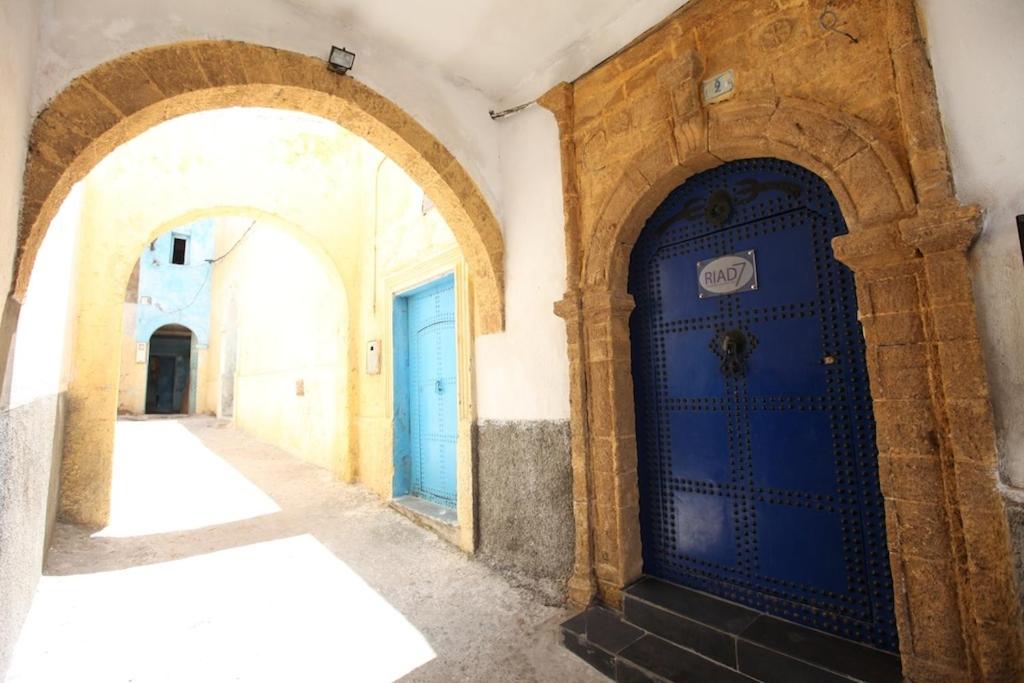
pixel 169 374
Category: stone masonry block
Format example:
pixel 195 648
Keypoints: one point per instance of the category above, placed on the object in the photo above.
pixel 892 295
pixel 41 176
pixel 862 171
pixel 906 426
pixel 84 110
pixel 976 486
pixel 963 369
pixel 222 62
pixel 925 670
pixel 1000 651
pixel 125 85
pixel 173 68
pixel 260 65
pixel 893 328
pixel 739 130
pixel 902 372
pixel 935 613
pixel 825 139
pixel 949 280
pixel 922 530
pixel 54 139
pixel 955 322
pixel 972 435
pixel 911 477
pixel 998 597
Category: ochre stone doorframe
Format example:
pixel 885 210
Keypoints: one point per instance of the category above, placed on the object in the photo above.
pixel 955 596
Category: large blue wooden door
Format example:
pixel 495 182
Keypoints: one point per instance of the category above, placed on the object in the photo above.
pixel 757 461
pixel 432 391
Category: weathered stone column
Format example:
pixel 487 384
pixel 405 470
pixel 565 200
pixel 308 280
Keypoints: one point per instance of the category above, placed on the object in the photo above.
pixel 582 585
pixel 989 603
pixel 613 456
pixel 948 539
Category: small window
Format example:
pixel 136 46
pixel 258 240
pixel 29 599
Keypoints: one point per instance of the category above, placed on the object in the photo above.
pixel 179 251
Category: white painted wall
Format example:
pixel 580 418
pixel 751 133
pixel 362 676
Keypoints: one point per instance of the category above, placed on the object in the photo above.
pixel 977 50
pixel 41 344
pixel 19 29
pixel 77 36
pixel 523 373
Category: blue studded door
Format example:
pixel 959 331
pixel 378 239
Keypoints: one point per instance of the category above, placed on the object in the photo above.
pixel 432 373
pixel 757 461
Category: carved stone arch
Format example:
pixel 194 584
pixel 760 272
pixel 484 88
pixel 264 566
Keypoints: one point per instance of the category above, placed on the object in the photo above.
pixel 118 100
pixel 869 183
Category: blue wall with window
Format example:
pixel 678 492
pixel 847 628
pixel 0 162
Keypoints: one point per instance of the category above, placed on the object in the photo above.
pixel 177 293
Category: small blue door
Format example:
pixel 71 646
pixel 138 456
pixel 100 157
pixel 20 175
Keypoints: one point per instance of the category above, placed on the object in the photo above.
pixel 755 432
pixel 426 318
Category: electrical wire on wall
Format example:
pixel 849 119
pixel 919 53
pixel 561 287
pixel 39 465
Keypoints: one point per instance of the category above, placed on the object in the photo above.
pixel 211 262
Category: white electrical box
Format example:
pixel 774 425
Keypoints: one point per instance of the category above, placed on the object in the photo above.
pixel 373 357
pixel 140 352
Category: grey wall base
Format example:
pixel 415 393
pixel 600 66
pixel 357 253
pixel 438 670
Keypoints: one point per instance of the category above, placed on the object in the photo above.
pixel 524 497
pixel 31 444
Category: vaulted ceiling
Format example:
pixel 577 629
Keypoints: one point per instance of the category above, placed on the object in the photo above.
pixel 510 51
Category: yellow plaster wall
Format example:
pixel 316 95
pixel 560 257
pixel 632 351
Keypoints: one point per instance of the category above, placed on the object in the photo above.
pixel 291 321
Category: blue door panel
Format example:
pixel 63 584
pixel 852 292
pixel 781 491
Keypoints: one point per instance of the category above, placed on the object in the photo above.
pixel 786 450
pixel 802 545
pixel 782 248
pixel 689 374
pixel 678 282
pixel 757 467
pixel 789 358
pixel 433 420
pixel 698 439
pixel 701 526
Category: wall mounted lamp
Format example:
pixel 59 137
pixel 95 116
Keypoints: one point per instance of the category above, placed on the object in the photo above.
pixel 341 60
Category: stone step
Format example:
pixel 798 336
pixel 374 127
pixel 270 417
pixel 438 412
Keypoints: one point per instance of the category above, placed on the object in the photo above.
pixel 623 652
pixel 670 633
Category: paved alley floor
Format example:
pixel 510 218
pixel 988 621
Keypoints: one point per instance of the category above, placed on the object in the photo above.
pixel 228 560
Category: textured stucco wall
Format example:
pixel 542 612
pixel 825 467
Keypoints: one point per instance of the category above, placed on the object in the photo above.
pixel 524 488
pixel 31 439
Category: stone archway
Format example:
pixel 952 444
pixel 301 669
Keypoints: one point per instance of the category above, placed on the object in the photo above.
pixel 120 99
pixel 935 434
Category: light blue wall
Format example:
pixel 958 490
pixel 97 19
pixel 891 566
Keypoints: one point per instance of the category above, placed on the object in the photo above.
pixel 178 294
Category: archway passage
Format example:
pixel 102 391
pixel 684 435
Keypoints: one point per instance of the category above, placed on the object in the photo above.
pixel 169 375
pixel 120 99
pixel 757 464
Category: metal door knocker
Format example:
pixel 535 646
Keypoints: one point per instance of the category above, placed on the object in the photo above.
pixel 733 347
